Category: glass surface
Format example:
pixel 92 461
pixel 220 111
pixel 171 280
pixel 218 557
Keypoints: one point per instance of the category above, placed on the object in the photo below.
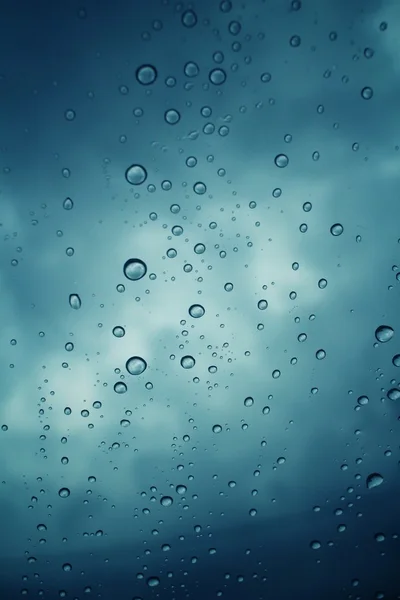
pixel 199 294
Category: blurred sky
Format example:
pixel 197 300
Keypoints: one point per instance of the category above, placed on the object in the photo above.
pixel 316 81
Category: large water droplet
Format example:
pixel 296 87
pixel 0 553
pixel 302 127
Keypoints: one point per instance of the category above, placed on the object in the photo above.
pixel 118 331
pixel 384 333
pixel 217 428
pixel 172 116
pixel 367 93
pixel 396 360
pixel 136 174
pixel 135 269
pixel 196 311
pixel 64 492
pixel 188 362
pixel 120 387
pixel 136 365
pixel 166 501
pixel 189 18
pixel 217 76
pixel 68 204
pixel 75 301
pixel 181 489
pixel 394 394
pixel 200 188
pixel 373 480
pixel 337 229
pixel 146 74
pixel 281 160
pixel 153 581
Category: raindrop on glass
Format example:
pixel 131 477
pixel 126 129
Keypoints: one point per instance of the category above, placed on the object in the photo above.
pixel 146 74
pixel 136 365
pixel 384 333
pixel 136 174
pixel 135 269
pixel 75 301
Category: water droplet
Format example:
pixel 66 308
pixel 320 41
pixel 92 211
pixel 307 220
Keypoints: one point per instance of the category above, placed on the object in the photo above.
pixel 153 581
pixel 146 74
pixel 200 188
pixel 281 160
pixel 196 311
pixel 75 301
pixel 315 545
pixel 362 400
pixel 217 428
pixel 249 401
pixel 337 229
pixel 68 204
pixel 320 354
pixel 135 269
pixel 172 116
pixel 187 362
pixel 295 41
pixel 118 331
pixel 373 480
pixel 262 304
pixel 266 410
pixel 69 251
pixel 64 492
pixel 136 365
pixel 189 18
pixel 191 69
pixel 67 567
pixel 394 394
pixel 384 333
pixel 396 360
pixel 234 27
pixel 322 283
pixel 181 489
pixel 136 174
pixel 70 114
pixel 120 387
pixel 276 374
pixel 199 248
pixel 217 76
pixel 367 93
pixel 166 501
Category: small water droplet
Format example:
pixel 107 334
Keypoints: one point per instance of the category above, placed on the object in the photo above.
pixel 75 301
pixel 249 401
pixel 396 360
pixel 320 354
pixel 64 492
pixel 181 489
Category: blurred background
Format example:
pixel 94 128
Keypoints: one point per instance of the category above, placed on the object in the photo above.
pixel 199 292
